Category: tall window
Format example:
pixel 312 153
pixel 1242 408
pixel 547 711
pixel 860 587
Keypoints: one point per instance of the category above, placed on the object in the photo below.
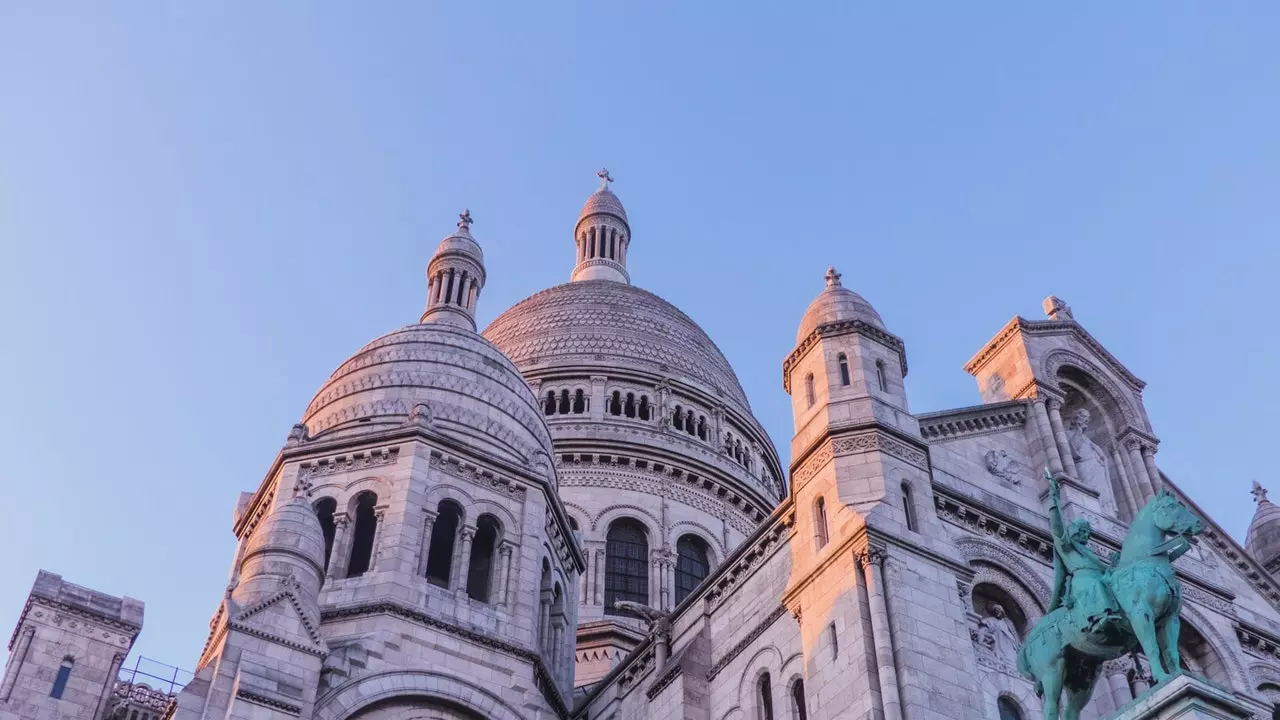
pixel 844 368
pixel 325 507
pixel 677 420
pixel 764 698
pixel 1008 709
pixel 798 710
pixel 579 403
pixel 820 522
pixel 835 641
pixel 443 534
pixel 564 402
pixel 908 508
pixel 880 376
pixel 366 527
pixel 644 407
pixel 626 573
pixel 808 389
pixel 629 408
pixel 692 565
pixel 549 407
pixel 60 682
pixel 615 403
pixel 480 567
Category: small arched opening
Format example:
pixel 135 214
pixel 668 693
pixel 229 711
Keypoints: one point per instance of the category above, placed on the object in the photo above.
pixel 480 566
pixel 362 535
pixel 444 533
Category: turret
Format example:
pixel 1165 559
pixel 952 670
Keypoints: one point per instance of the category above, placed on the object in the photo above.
pixel 1263 540
pixel 455 277
pixel 602 236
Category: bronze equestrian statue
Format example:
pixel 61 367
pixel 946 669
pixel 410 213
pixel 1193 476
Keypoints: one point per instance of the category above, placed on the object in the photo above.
pixel 1101 611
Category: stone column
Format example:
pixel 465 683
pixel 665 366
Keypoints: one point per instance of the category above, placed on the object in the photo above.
pixel 1126 482
pixel 464 558
pixel 1116 673
pixel 1046 436
pixel 424 547
pixel 597 409
pixel 113 673
pixel 15 663
pixel 1138 467
pixel 656 593
pixel 665 593
pixel 1054 407
pixel 341 539
pixel 671 583
pixel 1149 461
pixel 379 518
pixel 504 573
pixel 872 562
pixel 598 589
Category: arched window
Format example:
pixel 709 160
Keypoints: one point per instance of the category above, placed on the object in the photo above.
pixel 689 425
pixel 615 403
pixel 702 427
pixel 366 528
pixel 834 640
pixel 844 368
pixel 64 674
pixel 626 573
pixel 677 420
pixel 325 507
pixel 544 606
pixel 808 390
pixel 908 508
pixel 764 697
pixel 564 402
pixel 644 407
pixel 549 408
pixel 692 565
pixel 579 403
pixel 798 710
pixel 592 243
pixel 880 376
pixel 480 568
pixel 443 535
pixel 1008 708
pixel 629 409
pixel 820 522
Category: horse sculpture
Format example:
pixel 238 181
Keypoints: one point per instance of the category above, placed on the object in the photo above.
pixel 1101 611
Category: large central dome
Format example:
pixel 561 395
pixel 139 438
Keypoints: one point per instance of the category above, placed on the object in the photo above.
pixel 605 323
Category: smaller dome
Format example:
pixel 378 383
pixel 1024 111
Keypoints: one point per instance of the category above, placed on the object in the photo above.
pixel 603 202
pixel 1263 540
pixel 461 241
pixel 834 304
pixel 291 529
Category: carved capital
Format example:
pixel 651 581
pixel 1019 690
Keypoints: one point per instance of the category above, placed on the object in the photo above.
pixel 467 533
pixel 1132 443
pixel 1053 404
pixel 869 556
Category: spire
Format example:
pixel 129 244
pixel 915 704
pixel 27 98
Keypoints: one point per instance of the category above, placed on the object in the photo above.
pixel 602 236
pixel 1259 493
pixel 455 277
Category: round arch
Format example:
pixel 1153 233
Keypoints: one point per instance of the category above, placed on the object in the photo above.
pixel 1005 568
pixel 350 698
pixel 607 516
pixel 1056 361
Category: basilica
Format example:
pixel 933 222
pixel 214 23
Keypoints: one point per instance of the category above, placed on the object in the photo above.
pixel 574 513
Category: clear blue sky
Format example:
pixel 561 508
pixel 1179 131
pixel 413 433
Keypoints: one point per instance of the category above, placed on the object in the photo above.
pixel 204 209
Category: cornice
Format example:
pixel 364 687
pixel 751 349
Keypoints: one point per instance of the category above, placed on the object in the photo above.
pixel 1020 324
pixel 842 327
pixel 975 420
pixel 124 628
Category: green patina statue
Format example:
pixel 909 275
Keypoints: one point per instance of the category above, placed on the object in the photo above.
pixel 1100 611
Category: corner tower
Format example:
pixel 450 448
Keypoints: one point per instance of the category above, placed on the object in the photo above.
pixel 865 528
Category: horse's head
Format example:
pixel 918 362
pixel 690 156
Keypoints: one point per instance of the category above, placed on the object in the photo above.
pixel 1173 517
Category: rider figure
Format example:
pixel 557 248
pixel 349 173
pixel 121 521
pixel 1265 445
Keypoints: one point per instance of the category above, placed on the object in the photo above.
pixel 1078 573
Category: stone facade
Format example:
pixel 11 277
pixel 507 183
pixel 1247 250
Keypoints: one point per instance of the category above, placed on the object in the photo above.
pixel 576 514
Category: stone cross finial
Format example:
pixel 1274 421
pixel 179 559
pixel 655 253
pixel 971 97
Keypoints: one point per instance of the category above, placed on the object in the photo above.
pixel 464 220
pixel 1056 309
pixel 833 277
pixel 605 178
pixel 1259 493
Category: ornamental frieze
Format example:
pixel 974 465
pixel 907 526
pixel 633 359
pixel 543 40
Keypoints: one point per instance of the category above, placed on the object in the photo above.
pixel 878 441
pixel 349 463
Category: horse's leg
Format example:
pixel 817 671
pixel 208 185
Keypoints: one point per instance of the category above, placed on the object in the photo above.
pixel 1051 682
pixel 1142 619
pixel 1079 691
pixel 1169 652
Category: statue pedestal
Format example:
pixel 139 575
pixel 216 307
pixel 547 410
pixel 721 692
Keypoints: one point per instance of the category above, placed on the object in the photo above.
pixel 1186 697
